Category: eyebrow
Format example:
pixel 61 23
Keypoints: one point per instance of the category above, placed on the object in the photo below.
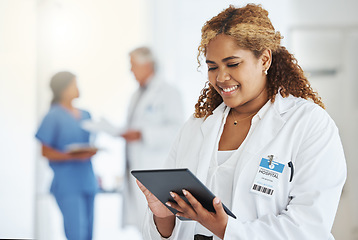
pixel 224 60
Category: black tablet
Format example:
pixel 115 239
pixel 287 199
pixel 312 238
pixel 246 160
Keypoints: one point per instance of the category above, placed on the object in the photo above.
pixel 160 182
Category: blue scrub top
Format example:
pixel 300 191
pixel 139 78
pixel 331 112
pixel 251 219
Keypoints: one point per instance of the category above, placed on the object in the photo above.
pixel 58 129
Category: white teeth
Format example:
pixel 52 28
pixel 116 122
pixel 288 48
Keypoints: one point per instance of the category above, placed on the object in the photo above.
pixel 230 89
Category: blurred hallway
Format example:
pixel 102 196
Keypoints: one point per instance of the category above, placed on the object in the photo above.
pixel 93 38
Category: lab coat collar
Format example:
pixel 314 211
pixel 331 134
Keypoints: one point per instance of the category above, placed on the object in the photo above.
pixel 152 81
pixel 280 106
pixel 219 115
pixel 147 81
pixel 283 105
pixel 270 123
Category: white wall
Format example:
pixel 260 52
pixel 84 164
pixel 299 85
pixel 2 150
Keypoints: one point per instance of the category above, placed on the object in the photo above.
pixel 324 36
pixel 17 117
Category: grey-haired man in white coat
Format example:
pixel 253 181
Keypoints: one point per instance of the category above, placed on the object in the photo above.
pixel 155 116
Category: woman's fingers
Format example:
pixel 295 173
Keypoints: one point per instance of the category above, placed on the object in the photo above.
pixel 220 212
pixel 174 205
pixel 186 210
pixel 193 210
pixel 179 204
pixel 193 202
pixel 219 224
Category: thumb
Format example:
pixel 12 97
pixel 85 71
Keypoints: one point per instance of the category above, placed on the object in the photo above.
pixel 146 192
pixel 141 186
pixel 218 206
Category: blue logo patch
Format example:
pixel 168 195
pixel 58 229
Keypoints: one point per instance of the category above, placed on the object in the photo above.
pixel 275 166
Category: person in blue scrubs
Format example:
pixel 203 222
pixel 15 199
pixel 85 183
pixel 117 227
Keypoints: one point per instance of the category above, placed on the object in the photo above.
pixel 74 184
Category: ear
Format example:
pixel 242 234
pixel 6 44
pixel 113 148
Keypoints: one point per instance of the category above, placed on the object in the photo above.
pixel 266 59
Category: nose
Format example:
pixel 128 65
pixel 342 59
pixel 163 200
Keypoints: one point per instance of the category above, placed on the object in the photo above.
pixel 223 76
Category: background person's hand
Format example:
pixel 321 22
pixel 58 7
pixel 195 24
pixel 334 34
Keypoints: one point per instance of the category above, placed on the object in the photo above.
pixel 132 135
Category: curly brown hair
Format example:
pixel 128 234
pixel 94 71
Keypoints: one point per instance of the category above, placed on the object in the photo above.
pixel 252 29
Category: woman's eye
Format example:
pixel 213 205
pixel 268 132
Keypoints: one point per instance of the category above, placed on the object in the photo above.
pixel 212 68
pixel 233 65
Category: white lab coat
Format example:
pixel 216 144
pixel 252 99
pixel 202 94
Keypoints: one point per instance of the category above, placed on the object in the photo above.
pixel 159 116
pixel 293 129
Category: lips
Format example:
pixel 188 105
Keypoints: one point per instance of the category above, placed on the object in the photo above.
pixel 228 89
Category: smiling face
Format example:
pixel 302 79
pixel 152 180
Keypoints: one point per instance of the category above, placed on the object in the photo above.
pixel 237 74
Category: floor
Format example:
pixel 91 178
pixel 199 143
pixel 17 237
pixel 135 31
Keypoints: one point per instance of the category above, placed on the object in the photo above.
pixel 107 219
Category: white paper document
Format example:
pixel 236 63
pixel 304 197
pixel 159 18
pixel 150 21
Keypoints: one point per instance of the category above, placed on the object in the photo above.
pixel 80 148
pixel 102 126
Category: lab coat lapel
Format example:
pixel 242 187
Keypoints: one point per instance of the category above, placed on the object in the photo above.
pixel 264 133
pixel 272 122
pixel 266 130
pixel 211 129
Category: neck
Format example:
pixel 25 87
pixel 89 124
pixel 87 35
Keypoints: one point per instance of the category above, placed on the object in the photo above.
pixel 67 104
pixel 146 81
pixel 254 105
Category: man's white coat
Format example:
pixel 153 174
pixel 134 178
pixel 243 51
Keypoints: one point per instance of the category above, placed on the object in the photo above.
pixel 158 115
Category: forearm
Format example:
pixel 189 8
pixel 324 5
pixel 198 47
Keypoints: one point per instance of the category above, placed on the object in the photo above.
pixel 165 226
pixel 54 155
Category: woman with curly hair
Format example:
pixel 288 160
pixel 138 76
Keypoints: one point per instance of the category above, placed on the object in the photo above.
pixel 259 139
